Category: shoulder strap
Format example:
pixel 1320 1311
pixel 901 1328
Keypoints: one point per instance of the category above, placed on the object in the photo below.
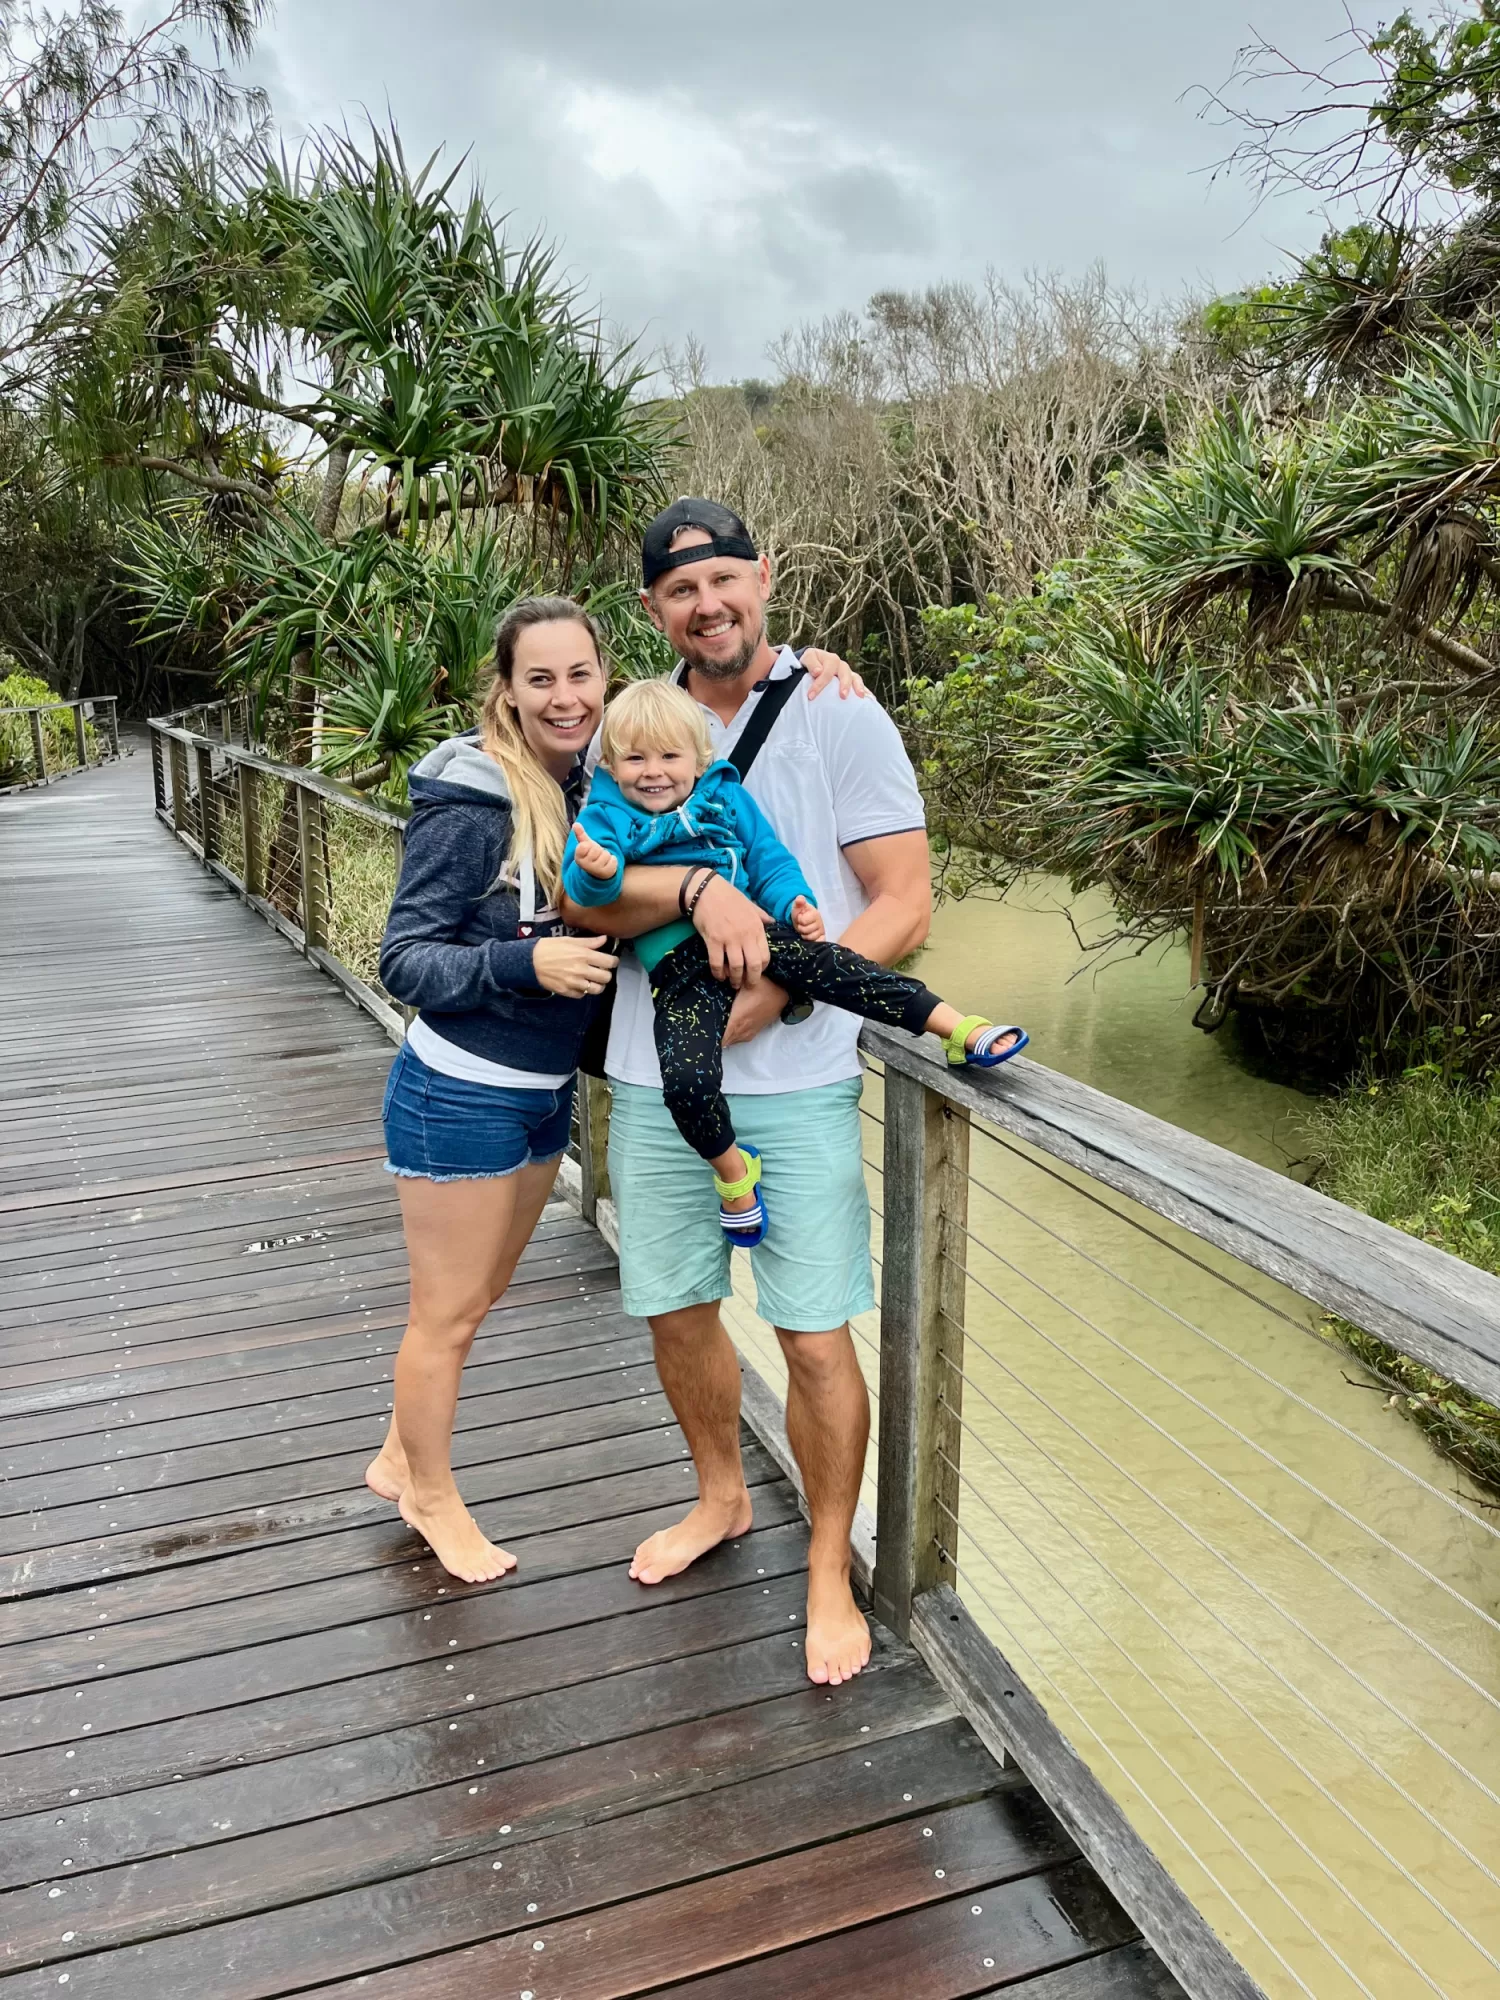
pixel 758 728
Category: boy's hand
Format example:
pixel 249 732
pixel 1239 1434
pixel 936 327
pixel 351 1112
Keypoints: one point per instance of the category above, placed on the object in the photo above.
pixel 593 859
pixel 806 921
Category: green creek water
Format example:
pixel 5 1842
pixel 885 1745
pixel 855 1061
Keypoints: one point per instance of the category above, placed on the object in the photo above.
pixel 1249 1592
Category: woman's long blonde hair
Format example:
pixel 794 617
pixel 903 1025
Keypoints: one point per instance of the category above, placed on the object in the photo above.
pixel 539 814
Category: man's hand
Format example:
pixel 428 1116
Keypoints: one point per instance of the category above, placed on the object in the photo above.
pixel 593 859
pixel 755 1007
pixel 822 668
pixel 807 922
pixel 734 930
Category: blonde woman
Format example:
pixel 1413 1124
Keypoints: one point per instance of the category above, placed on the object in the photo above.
pixel 478 1104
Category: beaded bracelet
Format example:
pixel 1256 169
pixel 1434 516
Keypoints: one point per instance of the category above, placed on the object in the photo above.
pixel 682 887
pixel 696 898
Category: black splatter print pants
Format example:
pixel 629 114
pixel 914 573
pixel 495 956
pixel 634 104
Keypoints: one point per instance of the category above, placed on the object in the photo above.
pixel 692 1010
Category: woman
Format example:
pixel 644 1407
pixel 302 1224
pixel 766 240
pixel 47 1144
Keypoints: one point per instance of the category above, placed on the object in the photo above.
pixel 479 1100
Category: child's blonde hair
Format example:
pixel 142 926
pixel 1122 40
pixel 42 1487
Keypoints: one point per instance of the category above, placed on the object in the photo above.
pixel 651 715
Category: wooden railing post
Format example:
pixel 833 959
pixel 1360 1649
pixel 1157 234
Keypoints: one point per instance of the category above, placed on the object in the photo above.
pixel 208 804
pixel 158 771
pixel 177 759
pixel 80 736
pixel 38 746
pixel 313 866
pixel 593 1143
pixel 921 1345
pixel 112 724
pixel 254 861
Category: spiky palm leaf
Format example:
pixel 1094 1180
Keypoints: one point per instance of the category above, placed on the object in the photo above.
pixel 1247 510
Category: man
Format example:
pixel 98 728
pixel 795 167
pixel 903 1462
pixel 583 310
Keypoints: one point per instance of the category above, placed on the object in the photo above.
pixel 836 783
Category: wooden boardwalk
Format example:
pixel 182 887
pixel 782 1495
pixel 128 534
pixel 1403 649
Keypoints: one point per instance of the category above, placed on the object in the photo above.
pixel 252 1740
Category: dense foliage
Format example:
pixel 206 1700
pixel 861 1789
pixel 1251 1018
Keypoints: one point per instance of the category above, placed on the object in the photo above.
pixel 473 438
pixel 1260 707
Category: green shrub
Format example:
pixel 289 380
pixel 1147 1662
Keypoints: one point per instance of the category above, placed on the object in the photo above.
pixel 1423 1154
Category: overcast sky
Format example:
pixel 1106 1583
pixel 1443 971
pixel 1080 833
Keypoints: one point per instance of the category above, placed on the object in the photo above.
pixel 726 173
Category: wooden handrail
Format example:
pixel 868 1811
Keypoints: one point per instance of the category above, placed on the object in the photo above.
pixel 180 799
pixel 1433 1306
pixel 303 776
pixel 84 710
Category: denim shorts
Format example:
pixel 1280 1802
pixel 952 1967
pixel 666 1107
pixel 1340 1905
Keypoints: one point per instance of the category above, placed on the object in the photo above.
pixel 444 1128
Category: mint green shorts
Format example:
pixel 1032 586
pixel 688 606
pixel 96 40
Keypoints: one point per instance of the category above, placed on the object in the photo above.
pixel 813 1270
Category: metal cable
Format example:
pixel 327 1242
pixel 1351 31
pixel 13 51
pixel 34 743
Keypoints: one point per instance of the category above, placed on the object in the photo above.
pixel 1306 1484
pixel 1222 1479
pixel 1233 1284
pixel 1221 1347
pixel 1134 1780
pixel 1221 1688
pixel 1239 1778
pixel 1305 1631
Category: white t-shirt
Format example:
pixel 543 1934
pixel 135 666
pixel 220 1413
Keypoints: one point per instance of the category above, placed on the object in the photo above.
pixel 448 1059
pixel 830 774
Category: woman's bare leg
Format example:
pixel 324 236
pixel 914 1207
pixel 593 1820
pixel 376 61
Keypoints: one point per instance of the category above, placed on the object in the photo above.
pixel 464 1240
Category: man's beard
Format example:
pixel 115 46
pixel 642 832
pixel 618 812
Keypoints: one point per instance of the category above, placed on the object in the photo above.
pixel 727 670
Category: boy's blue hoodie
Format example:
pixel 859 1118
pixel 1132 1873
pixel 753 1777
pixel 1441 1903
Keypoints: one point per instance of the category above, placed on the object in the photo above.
pixel 452 947
pixel 717 823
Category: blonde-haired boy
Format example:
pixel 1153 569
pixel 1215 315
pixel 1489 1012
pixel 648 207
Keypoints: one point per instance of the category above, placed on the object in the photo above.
pixel 658 796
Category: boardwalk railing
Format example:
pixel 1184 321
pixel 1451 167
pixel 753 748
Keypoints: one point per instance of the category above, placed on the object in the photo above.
pixel 1165 1542
pixel 100 713
pixel 264 828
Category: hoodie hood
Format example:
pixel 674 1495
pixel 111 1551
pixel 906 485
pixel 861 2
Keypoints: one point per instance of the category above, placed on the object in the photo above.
pixel 459 770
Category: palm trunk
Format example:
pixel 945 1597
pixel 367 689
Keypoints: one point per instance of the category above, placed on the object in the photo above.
pixel 326 520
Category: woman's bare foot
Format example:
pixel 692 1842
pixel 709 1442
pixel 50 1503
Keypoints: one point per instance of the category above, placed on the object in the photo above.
pixel 386 1474
pixel 456 1538
pixel 838 1639
pixel 671 1550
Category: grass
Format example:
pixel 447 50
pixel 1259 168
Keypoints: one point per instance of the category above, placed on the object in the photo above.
pixel 362 880
pixel 1423 1154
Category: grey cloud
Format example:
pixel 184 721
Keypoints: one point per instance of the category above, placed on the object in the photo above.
pixel 730 184
pixel 868 211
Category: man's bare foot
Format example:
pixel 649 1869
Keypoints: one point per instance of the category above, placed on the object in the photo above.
pixel 838 1639
pixel 670 1550
pixel 386 1474
pixel 456 1539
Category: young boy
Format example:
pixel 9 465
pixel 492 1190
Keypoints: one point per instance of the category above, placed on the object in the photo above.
pixel 658 797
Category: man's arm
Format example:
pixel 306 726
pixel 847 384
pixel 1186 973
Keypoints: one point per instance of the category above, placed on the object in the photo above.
pixel 731 926
pixel 895 871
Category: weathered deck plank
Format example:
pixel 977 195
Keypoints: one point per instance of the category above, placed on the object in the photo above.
pixel 252 1740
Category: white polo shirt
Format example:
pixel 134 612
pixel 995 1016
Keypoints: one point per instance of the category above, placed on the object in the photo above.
pixel 830 774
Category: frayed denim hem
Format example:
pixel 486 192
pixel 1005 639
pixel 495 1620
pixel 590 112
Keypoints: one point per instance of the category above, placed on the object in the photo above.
pixel 417 1174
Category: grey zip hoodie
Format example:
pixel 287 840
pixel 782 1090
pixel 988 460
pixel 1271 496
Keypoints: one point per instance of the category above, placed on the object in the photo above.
pixel 452 947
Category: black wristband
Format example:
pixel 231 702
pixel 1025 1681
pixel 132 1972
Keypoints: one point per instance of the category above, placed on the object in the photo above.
pixel 682 891
pixel 696 898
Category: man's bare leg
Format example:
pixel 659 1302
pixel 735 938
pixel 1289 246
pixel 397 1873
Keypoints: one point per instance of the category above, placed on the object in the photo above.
pixel 700 1372
pixel 464 1239
pixel 828 1427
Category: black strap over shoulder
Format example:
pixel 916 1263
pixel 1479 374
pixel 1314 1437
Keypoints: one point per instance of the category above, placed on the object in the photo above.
pixel 758 728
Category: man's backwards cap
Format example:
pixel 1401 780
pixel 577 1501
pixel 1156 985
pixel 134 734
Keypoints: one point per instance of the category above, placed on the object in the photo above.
pixel 728 536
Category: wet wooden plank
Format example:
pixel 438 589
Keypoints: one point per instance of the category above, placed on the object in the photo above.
pixel 276 1746
pixel 738 1788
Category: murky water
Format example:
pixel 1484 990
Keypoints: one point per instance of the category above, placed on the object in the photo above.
pixel 1251 1595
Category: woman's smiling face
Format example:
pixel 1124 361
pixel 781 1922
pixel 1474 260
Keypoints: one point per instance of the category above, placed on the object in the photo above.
pixel 557 691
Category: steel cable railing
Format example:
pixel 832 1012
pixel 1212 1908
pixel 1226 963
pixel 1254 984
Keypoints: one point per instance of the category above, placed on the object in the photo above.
pixel 1222 1688
pixel 1238 1568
